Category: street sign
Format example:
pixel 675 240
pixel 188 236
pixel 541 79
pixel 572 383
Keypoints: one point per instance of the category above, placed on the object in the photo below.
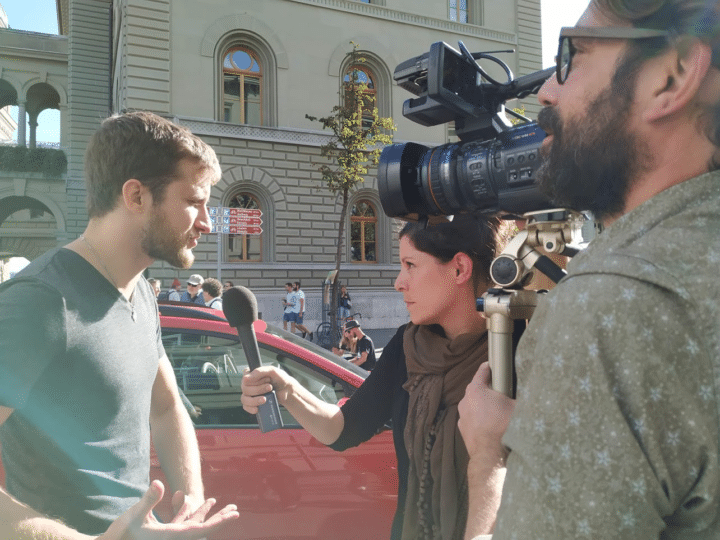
pixel 235 220
pixel 236 229
pixel 224 211
pixel 232 220
pixel 249 212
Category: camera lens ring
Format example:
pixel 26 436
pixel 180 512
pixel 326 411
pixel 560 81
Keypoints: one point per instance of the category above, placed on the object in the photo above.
pixel 440 179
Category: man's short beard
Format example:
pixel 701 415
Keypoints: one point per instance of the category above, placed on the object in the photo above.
pixel 593 160
pixel 160 242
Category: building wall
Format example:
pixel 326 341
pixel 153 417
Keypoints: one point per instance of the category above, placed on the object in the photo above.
pixel 529 46
pixel 165 56
pixel 88 94
pixel 300 229
pixel 167 59
pixel 307 39
pixel 141 51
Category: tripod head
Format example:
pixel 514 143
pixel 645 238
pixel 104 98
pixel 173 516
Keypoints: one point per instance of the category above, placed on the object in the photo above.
pixel 553 231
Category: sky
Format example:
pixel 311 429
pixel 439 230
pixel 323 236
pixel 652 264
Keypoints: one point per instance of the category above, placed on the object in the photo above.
pixel 41 16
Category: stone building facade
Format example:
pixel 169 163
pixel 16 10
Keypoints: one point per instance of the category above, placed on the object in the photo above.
pixel 242 74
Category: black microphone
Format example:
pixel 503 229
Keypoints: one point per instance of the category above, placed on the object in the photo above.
pixel 240 309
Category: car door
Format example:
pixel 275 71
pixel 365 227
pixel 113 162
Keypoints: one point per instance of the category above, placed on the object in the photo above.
pixel 285 483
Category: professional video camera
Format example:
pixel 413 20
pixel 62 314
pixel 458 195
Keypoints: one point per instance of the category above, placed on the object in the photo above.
pixel 492 170
pixel 493 166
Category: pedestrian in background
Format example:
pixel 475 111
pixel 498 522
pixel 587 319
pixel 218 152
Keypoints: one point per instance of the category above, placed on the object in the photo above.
pixel 174 292
pixel 194 291
pixel 347 345
pixel 301 310
pixel 212 292
pixel 364 347
pixel 344 304
pixel 290 303
pixel 155 284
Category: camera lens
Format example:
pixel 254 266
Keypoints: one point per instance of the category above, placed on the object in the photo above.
pixel 486 176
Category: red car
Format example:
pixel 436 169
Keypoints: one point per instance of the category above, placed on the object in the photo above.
pixel 285 483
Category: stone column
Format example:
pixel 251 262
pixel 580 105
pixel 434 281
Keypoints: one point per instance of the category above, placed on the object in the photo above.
pixel 22 120
pixel 63 127
pixel 33 130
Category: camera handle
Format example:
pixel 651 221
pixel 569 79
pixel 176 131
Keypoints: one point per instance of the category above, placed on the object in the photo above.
pixel 552 230
pixel 501 308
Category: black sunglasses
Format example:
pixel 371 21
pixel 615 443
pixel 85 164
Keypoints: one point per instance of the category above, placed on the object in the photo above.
pixel 566 51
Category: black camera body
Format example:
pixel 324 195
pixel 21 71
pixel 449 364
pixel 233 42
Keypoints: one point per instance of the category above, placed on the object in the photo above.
pixel 493 167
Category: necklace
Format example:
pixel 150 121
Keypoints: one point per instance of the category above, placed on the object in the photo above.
pixel 109 274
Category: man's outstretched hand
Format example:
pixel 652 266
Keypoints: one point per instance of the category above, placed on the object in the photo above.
pixel 139 523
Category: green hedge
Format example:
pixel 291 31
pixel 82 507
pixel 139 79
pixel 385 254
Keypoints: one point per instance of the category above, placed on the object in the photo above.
pixel 47 161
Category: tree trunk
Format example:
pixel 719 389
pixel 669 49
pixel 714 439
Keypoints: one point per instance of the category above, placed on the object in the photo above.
pixel 338 259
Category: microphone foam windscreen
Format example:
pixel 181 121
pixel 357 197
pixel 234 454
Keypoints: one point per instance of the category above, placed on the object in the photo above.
pixel 240 306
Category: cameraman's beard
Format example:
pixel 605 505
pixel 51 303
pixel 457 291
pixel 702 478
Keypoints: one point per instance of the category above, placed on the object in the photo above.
pixel 592 162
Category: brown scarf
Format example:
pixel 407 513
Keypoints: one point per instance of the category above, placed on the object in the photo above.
pixel 439 370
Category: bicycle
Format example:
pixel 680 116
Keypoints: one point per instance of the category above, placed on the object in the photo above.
pixel 327 337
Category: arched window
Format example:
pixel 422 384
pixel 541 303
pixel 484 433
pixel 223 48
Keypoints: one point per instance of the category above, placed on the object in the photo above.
pixel 242 86
pixel 363 232
pixel 244 247
pixel 362 75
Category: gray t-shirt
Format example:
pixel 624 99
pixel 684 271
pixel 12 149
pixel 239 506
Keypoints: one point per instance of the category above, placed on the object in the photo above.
pixel 616 429
pixel 78 372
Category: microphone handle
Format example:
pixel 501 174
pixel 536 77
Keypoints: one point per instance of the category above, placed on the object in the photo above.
pixel 250 345
pixel 268 415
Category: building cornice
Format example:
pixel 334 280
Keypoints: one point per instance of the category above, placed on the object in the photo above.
pixel 33 54
pixel 211 128
pixel 402 17
pixel 303 137
pixel 34 45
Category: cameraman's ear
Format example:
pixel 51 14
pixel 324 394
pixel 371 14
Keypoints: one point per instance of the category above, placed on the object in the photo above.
pixel 673 80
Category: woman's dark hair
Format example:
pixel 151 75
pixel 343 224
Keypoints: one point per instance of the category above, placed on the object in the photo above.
pixel 682 18
pixel 478 238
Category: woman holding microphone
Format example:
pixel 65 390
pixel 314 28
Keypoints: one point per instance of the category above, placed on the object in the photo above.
pixel 419 379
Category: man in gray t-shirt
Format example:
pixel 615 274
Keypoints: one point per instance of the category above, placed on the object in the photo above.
pixel 84 380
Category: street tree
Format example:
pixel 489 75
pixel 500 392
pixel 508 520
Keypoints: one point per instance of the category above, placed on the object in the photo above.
pixel 359 134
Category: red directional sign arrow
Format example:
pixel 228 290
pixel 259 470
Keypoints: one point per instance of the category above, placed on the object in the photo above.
pixel 242 220
pixel 244 229
pixel 245 212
